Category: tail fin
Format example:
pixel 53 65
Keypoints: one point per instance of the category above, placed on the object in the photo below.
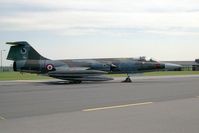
pixel 23 51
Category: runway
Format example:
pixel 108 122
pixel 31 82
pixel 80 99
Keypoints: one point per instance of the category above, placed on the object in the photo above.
pixel 149 104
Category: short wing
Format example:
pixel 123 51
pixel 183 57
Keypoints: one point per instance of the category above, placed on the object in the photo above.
pixel 79 74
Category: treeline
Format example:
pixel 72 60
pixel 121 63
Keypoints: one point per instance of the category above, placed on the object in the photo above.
pixel 6 69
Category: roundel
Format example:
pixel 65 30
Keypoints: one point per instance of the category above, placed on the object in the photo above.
pixel 49 67
pixel 23 50
pixel 158 66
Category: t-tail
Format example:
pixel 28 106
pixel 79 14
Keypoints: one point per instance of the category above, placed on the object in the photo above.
pixel 27 59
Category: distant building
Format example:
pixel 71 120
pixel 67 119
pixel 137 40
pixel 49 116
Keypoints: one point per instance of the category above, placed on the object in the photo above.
pixel 197 60
pixel 188 65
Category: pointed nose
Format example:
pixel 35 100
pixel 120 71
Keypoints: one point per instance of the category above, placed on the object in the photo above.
pixel 172 67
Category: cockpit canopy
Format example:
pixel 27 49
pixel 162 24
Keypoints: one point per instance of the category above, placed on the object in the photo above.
pixel 143 58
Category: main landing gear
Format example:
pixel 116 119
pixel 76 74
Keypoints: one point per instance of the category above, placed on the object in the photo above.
pixel 128 79
pixel 75 82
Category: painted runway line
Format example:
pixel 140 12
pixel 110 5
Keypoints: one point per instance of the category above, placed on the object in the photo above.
pixel 117 106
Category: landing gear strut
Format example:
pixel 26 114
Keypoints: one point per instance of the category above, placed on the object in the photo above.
pixel 128 79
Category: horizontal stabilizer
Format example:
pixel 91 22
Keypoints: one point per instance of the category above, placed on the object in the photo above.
pixel 23 43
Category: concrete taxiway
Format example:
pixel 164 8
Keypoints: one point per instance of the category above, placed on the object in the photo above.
pixel 149 104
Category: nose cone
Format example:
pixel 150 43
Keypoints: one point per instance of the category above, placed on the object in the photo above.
pixel 172 67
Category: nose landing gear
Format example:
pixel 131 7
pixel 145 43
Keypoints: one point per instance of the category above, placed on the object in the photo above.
pixel 128 79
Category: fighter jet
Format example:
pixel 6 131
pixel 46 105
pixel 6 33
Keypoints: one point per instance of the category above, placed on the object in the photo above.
pixel 27 59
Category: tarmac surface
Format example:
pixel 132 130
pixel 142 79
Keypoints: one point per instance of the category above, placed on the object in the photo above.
pixel 168 104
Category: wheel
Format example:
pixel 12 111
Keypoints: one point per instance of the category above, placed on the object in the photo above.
pixel 127 80
pixel 75 82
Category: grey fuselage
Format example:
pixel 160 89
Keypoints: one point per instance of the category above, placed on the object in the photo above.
pixel 109 65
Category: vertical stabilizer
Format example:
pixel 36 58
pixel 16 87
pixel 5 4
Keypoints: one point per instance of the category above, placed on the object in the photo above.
pixel 23 51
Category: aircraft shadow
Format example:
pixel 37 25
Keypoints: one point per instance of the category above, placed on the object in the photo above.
pixel 108 82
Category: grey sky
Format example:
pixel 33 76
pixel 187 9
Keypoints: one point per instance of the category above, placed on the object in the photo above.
pixel 162 29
